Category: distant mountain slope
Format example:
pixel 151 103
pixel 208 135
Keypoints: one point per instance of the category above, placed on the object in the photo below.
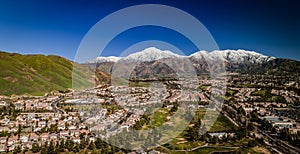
pixel 278 66
pixel 234 56
pixel 36 74
pixel 234 60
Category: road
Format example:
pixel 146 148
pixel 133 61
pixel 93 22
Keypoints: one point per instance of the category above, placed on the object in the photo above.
pixel 54 105
pixel 283 144
pixel 276 142
pixel 202 146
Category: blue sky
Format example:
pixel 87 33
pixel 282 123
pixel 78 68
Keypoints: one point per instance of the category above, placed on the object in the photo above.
pixel 58 26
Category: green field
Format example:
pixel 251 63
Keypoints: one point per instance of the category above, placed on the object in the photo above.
pixel 203 87
pixel 266 95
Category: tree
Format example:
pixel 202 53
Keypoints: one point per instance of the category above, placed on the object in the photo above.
pixel 285 135
pixel 215 139
pixel 254 116
pixel 251 126
pixel 81 136
pixel 35 148
pixel 62 146
pixel 193 132
pixel 252 143
pixel 19 130
pixel 76 148
pixel 44 150
pixel 69 144
pixel 99 143
pixel 53 128
pixel 241 133
pixel 50 149
pixel 17 150
pixel 44 130
pixel 91 146
pixel 82 144
pixel 66 125
pixel 4 134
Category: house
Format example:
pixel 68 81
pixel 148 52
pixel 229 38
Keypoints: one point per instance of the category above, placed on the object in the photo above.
pixel 3 140
pixel 33 137
pixel 3 147
pixel 24 138
pixel 72 127
pixel 92 138
pixel 294 130
pixel 154 152
pixel 84 131
pixel 219 135
pixel 37 129
pixel 13 130
pixel 74 133
pixel 12 140
pixel 279 122
pixel 61 126
pixel 19 106
pixel 140 151
pixel 4 121
pixel 82 126
pixel 64 133
pixel 53 136
pixel 56 117
pixel 12 147
pixel 64 138
pixel 3 103
pixel 49 107
pixel 42 124
pixel 52 122
pixel 44 137
pixel 26 145
pixel 76 140
pixel 4 129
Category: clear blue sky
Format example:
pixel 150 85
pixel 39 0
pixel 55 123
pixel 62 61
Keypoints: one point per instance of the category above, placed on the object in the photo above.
pixel 58 26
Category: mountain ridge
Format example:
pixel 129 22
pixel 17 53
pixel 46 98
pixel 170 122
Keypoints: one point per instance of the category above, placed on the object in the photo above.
pixel 37 74
pixel 239 61
pixel 153 53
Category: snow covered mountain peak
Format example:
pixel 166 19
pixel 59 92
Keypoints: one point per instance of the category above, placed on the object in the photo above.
pixel 153 53
pixel 233 56
pixel 150 54
pixel 105 59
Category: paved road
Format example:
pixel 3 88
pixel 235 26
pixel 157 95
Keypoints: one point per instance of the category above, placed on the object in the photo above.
pixel 203 146
pixel 275 141
pixel 283 144
pixel 54 105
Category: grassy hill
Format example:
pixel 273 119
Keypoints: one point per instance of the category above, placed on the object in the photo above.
pixel 38 74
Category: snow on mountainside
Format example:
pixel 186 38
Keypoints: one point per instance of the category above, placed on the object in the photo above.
pixel 233 56
pixel 152 54
pixel 105 59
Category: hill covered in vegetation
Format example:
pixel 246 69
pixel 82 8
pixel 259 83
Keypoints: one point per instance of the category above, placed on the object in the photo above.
pixel 38 74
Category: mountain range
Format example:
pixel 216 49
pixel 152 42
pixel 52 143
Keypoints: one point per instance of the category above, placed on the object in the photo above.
pixel 38 74
pixel 153 62
pixel 152 54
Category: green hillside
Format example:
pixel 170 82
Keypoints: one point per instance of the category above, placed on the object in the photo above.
pixel 37 74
